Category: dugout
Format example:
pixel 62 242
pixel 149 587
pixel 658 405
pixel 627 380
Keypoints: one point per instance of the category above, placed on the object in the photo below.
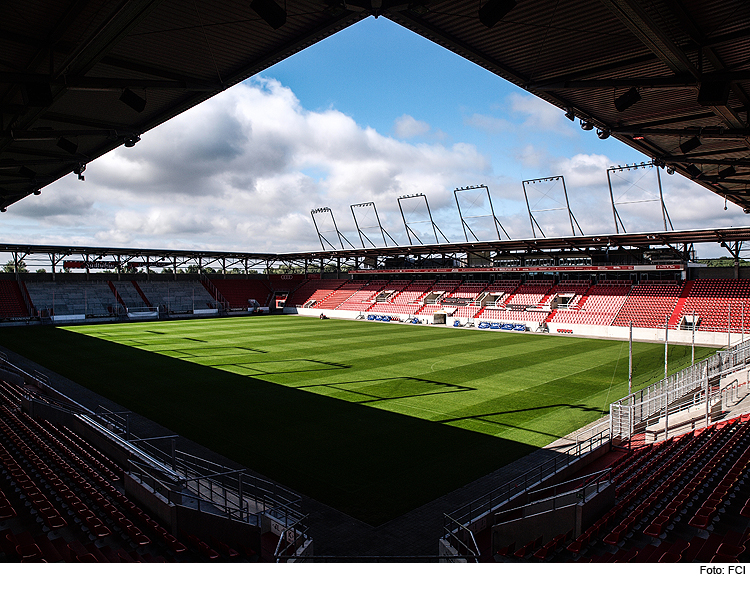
pixel 439 317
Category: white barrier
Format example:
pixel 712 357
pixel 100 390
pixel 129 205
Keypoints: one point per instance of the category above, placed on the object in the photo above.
pixel 206 312
pixel 143 315
pixel 68 318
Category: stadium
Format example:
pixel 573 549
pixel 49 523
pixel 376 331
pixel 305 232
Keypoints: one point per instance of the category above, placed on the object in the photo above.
pixel 573 398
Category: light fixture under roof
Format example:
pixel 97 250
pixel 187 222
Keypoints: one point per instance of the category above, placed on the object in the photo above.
pixel 693 171
pixel 269 11
pixel 602 134
pixel 728 171
pixel 690 145
pixel 65 144
pixel 132 100
pixel 627 99
pixel 494 11
pixel 586 125
pixel 570 114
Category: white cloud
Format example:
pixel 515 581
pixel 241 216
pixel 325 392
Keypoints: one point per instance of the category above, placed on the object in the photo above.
pixel 242 171
pixel 407 127
pixel 488 124
pixel 540 114
pixel 583 170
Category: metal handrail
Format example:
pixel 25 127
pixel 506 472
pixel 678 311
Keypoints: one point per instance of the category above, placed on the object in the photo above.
pixel 502 494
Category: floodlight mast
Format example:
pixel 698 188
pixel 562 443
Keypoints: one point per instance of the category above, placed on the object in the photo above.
pixel 465 225
pixel 321 237
pixel 664 213
pixel 410 231
pixel 362 235
pixel 533 221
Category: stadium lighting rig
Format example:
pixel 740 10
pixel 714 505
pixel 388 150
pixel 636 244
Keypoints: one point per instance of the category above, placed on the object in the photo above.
pixel 409 231
pixel 532 219
pixel 657 164
pixel 466 228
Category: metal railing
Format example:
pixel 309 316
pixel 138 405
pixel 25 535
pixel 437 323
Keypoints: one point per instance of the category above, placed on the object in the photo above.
pixel 681 391
pixel 563 457
pixel 461 539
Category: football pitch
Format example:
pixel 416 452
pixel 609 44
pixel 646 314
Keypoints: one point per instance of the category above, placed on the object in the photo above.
pixel 374 419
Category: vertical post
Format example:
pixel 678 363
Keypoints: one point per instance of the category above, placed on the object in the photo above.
pixel 666 383
pixel 705 386
pixel 729 326
pixel 174 453
pixel 666 346
pixel 692 346
pixel 239 491
pixel 630 360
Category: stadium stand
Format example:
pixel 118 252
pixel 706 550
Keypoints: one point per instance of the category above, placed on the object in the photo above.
pixel 12 304
pixel 341 295
pixel 531 293
pixel 64 499
pixel 599 305
pixel 469 290
pixel 127 294
pixel 680 500
pixel 649 304
pixel 92 298
pixel 313 291
pixel 177 296
pixel 437 293
pixel 712 301
pixel 237 291
pixel 360 298
pixel 406 301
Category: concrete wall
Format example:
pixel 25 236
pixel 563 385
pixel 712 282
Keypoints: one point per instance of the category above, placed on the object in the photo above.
pixel 682 337
pixel 522 531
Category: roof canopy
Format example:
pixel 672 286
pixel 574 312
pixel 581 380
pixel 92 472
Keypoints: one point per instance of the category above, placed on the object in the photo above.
pixel 669 78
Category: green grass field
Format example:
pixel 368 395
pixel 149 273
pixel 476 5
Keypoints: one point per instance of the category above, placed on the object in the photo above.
pixel 374 419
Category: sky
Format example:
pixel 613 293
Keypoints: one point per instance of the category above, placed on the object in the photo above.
pixel 370 114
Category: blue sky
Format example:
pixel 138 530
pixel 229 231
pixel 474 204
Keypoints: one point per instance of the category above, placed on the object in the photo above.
pixel 368 114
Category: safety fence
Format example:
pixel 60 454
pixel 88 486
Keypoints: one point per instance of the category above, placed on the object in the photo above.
pixel 694 388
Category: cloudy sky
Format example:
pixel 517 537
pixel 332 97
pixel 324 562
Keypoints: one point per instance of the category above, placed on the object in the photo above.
pixel 368 115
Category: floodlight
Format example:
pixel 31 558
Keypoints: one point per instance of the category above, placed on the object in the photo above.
pixel 586 125
pixel 269 11
pixel 79 169
pixel 132 141
pixel 627 99
pixel 492 12
pixel 602 134
pixel 693 171
pixel 690 145
pixel 570 114
pixel 132 100
pixel 728 171
pixel 713 94
pixel 67 145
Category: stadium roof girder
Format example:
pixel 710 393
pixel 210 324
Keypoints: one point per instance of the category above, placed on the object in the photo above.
pixel 567 246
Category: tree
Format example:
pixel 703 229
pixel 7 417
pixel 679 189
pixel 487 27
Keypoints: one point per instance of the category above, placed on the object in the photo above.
pixel 10 267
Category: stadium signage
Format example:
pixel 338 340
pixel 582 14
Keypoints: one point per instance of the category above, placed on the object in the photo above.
pixel 110 264
pixel 567 269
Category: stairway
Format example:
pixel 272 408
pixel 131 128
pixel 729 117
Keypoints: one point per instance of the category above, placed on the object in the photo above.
pixel 674 320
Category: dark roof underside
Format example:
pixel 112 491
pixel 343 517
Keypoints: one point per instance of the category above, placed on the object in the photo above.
pixel 74 74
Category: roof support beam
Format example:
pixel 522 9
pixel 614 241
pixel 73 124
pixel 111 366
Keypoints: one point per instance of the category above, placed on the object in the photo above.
pixel 630 13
